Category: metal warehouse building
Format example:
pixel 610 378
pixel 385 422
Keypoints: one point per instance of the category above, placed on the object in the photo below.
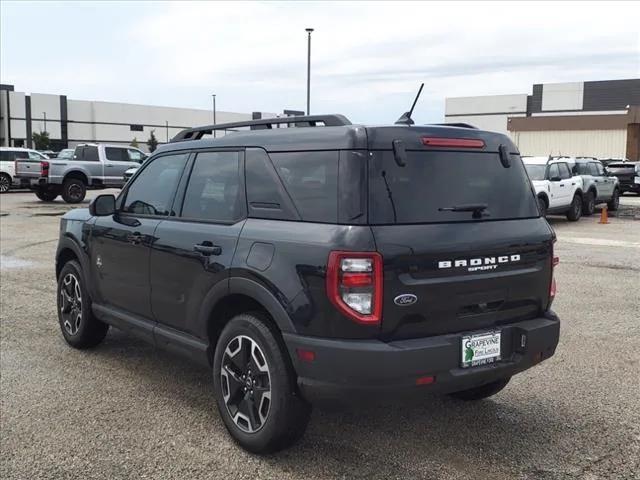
pixel 70 122
pixel 600 119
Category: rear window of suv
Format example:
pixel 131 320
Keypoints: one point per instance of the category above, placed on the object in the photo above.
pixel 434 180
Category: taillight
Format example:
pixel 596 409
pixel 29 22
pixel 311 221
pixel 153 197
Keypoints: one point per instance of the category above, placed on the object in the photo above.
pixel 554 262
pixel 453 142
pixel 44 169
pixel 354 285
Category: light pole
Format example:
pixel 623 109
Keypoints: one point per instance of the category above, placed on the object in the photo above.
pixel 214 112
pixel 308 30
pixel 166 124
pixel 44 114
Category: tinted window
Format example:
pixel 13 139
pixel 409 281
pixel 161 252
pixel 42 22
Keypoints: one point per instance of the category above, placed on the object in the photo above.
pixel 593 169
pixel 78 154
pixel 116 154
pixel 151 193
pixel 554 172
pixel 266 195
pixel 600 169
pixel 582 169
pixel 564 171
pixel 432 183
pixel 213 192
pixel 7 156
pixel 536 172
pixel 311 178
pixel 90 154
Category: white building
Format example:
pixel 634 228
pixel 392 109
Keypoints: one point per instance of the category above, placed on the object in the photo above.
pixel 70 122
pixel 600 119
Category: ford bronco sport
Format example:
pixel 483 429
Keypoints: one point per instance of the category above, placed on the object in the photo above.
pixel 326 261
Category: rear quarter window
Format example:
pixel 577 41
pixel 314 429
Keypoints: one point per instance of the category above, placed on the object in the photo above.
pixel 433 180
pixel 311 179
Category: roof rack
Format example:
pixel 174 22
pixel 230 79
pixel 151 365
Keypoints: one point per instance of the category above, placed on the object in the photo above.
pixel 197 133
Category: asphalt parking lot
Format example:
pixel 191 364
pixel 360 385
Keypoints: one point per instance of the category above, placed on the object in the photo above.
pixel 124 410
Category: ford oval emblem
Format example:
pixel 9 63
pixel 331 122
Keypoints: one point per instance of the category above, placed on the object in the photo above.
pixel 405 299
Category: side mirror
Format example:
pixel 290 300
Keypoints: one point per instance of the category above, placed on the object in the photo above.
pixel 103 205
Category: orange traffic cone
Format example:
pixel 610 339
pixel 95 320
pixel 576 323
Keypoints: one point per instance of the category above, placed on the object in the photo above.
pixel 604 216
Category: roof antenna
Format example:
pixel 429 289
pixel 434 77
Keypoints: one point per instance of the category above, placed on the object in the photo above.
pixel 406 119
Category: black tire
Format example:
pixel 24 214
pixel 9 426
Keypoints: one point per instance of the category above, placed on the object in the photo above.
pixel 47 194
pixel 575 211
pixel 5 182
pixel 481 392
pixel 589 204
pixel 73 190
pixel 542 206
pixel 286 415
pixel 614 203
pixel 80 329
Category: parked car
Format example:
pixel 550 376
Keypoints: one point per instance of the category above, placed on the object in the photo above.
pixel 558 190
pixel 8 157
pixel 92 166
pixel 65 154
pixel 319 263
pixel 598 187
pixel 628 174
pixel 607 161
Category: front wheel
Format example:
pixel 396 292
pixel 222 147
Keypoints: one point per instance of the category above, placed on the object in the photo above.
pixel 575 210
pixel 542 206
pixel 255 386
pixel 614 203
pixel 5 182
pixel 481 392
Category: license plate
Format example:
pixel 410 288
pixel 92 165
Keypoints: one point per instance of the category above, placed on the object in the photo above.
pixel 480 349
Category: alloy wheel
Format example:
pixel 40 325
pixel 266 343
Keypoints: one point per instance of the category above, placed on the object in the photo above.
pixel 5 184
pixel 246 383
pixel 71 303
pixel 74 191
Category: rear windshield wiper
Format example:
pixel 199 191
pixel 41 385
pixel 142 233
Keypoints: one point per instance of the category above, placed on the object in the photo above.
pixel 476 208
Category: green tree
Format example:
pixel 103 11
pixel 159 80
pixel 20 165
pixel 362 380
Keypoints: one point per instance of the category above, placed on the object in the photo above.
pixel 134 142
pixel 152 143
pixel 41 140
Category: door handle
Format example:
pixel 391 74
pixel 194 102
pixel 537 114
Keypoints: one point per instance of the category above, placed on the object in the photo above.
pixel 135 238
pixel 207 248
pixel 109 166
pixel 562 184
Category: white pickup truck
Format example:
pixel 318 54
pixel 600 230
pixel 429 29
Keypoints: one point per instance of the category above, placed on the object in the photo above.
pixel 557 188
pixel 8 158
pixel 92 166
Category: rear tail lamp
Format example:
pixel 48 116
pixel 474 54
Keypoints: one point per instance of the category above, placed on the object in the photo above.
pixel 453 142
pixel 44 169
pixel 554 262
pixel 354 285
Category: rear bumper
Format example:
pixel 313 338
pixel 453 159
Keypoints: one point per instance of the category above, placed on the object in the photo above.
pixel 346 370
pixel 630 187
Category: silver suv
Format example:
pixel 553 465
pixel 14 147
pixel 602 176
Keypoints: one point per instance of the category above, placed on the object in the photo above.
pixel 599 187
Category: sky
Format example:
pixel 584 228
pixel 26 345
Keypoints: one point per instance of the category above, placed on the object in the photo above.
pixel 367 60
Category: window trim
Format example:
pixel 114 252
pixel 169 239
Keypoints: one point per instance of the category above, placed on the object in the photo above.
pixel 181 194
pixel 122 198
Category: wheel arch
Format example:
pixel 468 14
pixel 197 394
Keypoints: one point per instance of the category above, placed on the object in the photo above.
pixel 544 197
pixel 69 250
pixel 77 174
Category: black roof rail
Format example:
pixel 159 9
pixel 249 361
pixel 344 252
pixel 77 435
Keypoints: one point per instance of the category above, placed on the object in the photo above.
pixel 196 133
pixel 461 125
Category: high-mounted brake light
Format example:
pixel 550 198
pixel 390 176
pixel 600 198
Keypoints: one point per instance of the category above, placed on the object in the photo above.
pixel 44 169
pixel 354 285
pixel 453 142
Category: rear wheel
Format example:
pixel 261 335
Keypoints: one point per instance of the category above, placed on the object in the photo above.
pixel 614 203
pixel 575 211
pixel 47 194
pixel 80 328
pixel 481 392
pixel 255 386
pixel 589 205
pixel 73 190
pixel 5 182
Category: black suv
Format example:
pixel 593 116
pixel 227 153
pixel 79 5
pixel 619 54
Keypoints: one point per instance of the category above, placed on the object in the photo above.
pixel 326 261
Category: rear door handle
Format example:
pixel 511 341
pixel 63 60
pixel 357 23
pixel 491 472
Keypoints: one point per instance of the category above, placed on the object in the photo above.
pixel 135 238
pixel 562 184
pixel 207 248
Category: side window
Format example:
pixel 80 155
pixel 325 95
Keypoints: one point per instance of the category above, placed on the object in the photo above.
pixel 213 192
pixel 91 154
pixel 311 178
pixel 564 171
pixel 134 156
pixel 6 156
pixel 151 193
pixel 593 169
pixel 553 171
pixel 21 155
pixel 116 154
pixel 600 169
pixel 35 156
pixel 266 195
pixel 78 154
